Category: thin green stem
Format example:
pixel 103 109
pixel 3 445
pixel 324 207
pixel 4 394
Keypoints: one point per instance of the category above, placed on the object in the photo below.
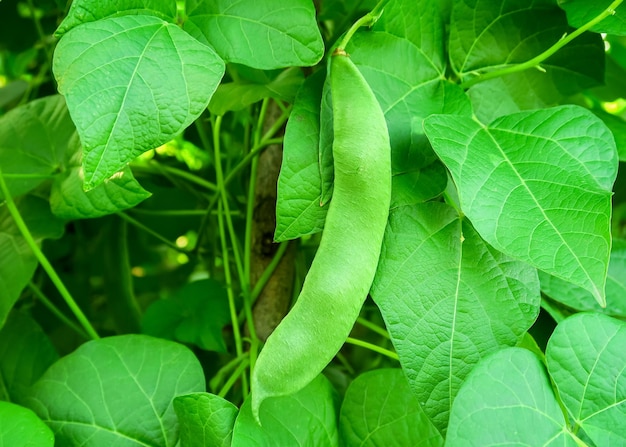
pixel 367 20
pixel 191 178
pixel 372 327
pixel 239 372
pixel 537 60
pixel 43 261
pixel 151 232
pixel 373 347
pixel 40 31
pixel 55 310
pixel 269 271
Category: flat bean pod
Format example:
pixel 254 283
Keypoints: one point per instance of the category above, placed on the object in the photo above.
pixel 344 266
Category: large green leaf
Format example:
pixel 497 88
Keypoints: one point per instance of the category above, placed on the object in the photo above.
pixel 585 358
pixel 127 99
pixel 268 34
pixel 579 12
pixel 491 35
pixel 379 408
pixel 448 299
pixel 35 141
pixel 117 391
pixel 306 418
pixel 537 186
pixel 69 201
pixel 205 420
pixel 21 427
pixel 25 354
pixel 17 261
pixel 507 400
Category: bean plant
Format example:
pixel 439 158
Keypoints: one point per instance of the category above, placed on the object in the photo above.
pixel 169 169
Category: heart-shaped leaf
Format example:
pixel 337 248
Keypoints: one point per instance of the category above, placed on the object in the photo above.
pixel 205 420
pixel 537 186
pixel 127 99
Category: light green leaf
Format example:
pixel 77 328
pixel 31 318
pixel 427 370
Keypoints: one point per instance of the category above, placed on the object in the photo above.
pixel 35 141
pixel 117 391
pixel 84 11
pixel 22 428
pixel 17 261
pixel 69 201
pixel 127 99
pixel 298 210
pixel 25 354
pixel 205 420
pixel 536 186
pixel 507 400
pixel 306 418
pixel 194 314
pixel 585 357
pixel 580 299
pixel 448 299
pixel 266 35
pixel 379 408
pixel 579 12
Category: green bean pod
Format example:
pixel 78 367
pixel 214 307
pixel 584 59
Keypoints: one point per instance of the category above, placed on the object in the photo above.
pixel 344 266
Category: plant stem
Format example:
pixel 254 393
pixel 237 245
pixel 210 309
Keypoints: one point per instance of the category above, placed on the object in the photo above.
pixel 45 264
pixel 535 61
pixel 373 347
pixel 233 378
pixel 52 308
pixel 151 232
pixel 372 327
pixel 367 20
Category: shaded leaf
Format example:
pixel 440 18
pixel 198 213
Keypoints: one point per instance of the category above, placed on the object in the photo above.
pixel 128 99
pixel 508 400
pixel 117 391
pixel 537 186
pixel 21 427
pixel 379 408
pixel 579 12
pixel 269 34
pixel 448 299
pixel 306 418
pixel 205 420
pixel 585 357
pixel 69 201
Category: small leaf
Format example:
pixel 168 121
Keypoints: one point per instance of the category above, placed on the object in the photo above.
pixel 507 400
pixel 205 420
pixel 308 417
pixel 69 201
pixel 579 12
pixel 128 99
pixel 266 35
pixel 537 186
pixel 585 357
pixel 21 427
pixel 379 408
pixel 25 354
pixel 448 299
pixel 117 391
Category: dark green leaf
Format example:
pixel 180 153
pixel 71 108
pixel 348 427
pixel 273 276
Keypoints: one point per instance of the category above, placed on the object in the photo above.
pixel 579 12
pixel 205 420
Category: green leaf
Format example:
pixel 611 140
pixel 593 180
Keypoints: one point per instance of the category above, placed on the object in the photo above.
pixel 25 354
pixel 379 408
pixel 585 357
pixel 84 11
pixel 579 12
pixel 306 418
pixel 507 400
pixel 17 261
pixel 580 299
pixel 233 96
pixel 617 125
pixel 128 99
pixel 536 186
pixel 205 420
pixel 117 391
pixel 69 201
pixel 35 141
pixel 298 210
pixel 194 314
pixel 448 299
pixel 492 35
pixel 266 35
pixel 21 427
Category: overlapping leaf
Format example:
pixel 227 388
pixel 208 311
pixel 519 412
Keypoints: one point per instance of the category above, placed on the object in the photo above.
pixel 579 12
pixel 448 299
pixel 117 391
pixel 21 427
pixel 127 99
pixel 537 186
pixel 268 34
pixel 205 419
